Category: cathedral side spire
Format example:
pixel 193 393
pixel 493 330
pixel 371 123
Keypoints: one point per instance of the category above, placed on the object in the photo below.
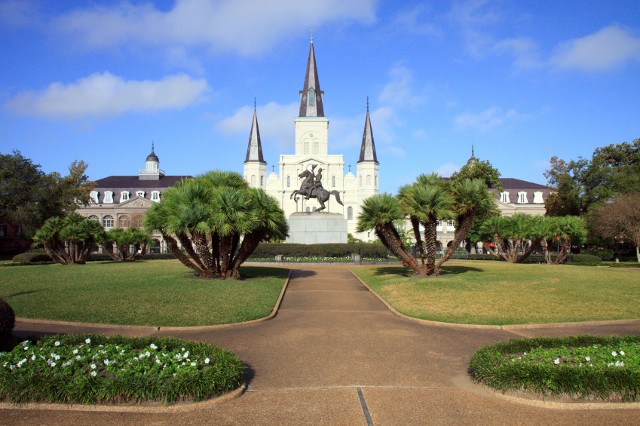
pixel 368 147
pixel 311 97
pixel 254 148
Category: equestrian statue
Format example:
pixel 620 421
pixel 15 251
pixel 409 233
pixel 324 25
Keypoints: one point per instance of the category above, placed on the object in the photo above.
pixel 312 187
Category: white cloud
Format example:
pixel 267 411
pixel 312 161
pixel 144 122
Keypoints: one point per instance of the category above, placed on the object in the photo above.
pixel 488 119
pixel 400 90
pixel 104 94
pixel 244 26
pixel 446 170
pixel 274 120
pixel 608 48
pixel 523 50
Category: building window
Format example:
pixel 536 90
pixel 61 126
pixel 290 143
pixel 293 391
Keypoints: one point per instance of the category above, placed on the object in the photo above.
pixel 306 148
pixel 261 181
pixel 108 197
pixel 360 180
pixel 537 198
pixel 368 180
pixel 504 197
pixel 3 230
pixel 316 147
pixel 123 221
pixel 140 194
pixel 253 180
pixel 18 230
pixel 333 181
pixel 124 196
pixel 308 209
pixel 107 222
pixel 349 213
pixel 155 196
pixel 94 217
pixel 94 197
pixel 522 197
pixel 288 181
pixel 376 179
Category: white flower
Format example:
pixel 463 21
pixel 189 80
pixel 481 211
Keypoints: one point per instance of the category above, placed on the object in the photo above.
pixel 106 362
pixel 153 346
pixel 556 361
pixel 53 364
pixel 158 361
pixel 193 364
pixel 33 357
pixel 207 360
pixel 87 340
pixel 621 353
pixel 614 353
pixel 56 343
pixel 587 358
pixel 93 373
pixel 148 353
pixel 26 348
pixel 75 351
pixel 93 366
pixel 78 357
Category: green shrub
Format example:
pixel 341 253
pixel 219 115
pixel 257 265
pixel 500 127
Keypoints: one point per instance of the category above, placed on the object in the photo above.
pixel 583 366
pixel 92 369
pixel 365 250
pixel 7 322
pixel 31 257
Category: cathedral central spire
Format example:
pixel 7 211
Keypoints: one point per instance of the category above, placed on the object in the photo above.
pixel 311 97
pixel 254 148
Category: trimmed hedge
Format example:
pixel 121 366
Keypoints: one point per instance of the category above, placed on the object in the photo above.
pixel 31 257
pixel 501 366
pixel 538 258
pixel 365 250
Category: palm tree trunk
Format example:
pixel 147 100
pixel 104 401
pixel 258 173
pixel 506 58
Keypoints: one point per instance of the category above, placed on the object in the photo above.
pixel 390 238
pixel 225 248
pixel 54 255
pixel 419 243
pixel 545 250
pixel 188 247
pixel 200 241
pixel 185 260
pixel 431 238
pixel 248 246
pixel 464 225
pixel 527 252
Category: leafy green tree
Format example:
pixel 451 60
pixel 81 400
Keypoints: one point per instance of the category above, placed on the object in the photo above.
pixel 564 231
pixel 621 219
pixel 213 222
pixel 68 240
pixel 564 179
pixel 118 242
pixel 472 200
pixel 477 169
pixel 28 196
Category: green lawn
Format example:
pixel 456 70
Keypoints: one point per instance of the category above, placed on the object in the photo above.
pixel 491 292
pixel 156 293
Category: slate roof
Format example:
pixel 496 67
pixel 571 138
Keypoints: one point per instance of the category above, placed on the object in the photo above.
pixel 311 81
pixel 134 182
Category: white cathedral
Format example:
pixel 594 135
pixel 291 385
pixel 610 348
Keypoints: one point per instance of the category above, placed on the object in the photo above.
pixel 312 151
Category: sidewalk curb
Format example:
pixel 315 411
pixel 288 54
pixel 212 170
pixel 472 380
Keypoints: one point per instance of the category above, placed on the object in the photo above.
pixel 508 327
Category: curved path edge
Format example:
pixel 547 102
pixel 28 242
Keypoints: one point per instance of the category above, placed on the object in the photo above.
pixel 507 327
pixel 178 407
pixel 144 329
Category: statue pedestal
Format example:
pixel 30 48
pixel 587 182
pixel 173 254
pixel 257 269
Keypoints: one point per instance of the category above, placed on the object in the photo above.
pixel 317 228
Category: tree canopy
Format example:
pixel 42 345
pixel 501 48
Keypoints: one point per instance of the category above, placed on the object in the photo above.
pixel 28 196
pixel 213 222
pixel 620 219
pixel 68 240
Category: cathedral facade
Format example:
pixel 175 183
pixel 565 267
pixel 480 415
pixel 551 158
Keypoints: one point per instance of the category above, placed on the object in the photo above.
pixel 311 153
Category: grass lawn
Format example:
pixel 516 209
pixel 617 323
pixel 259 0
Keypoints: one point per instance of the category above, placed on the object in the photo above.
pixel 491 292
pixel 156 293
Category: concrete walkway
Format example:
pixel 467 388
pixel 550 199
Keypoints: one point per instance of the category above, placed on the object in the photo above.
pixel 335 354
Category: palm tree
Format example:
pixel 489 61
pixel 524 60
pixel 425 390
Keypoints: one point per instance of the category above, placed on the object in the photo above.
pixel 379 213
pixel 69 240
pixel 472 200
pixel 217 220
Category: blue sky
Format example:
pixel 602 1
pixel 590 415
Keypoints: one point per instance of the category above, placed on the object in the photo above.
pixel 521 80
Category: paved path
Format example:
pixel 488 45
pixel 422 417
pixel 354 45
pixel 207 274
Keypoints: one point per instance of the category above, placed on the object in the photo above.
pixel 334 354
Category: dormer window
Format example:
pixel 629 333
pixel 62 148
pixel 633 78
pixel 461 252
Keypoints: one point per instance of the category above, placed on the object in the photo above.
pixel 108 197
pixel 94 197
pixel 537 197
pixel 522 197
pixel 124 196
pixel 504 197
pixel 155 196
pixel 140 194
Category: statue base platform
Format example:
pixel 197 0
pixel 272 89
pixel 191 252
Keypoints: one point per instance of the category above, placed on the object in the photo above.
pixel 317 228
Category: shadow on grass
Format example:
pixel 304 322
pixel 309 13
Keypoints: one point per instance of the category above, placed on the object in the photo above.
pixel 23 293
pixel 409 273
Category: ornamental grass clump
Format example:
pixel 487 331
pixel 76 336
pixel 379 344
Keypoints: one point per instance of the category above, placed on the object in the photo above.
pixel 588 367
pixel 93 369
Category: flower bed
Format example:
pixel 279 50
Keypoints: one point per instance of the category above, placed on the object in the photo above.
pixel 93 369
pixel 583 366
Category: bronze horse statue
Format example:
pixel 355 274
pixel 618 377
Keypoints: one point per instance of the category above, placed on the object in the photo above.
pixel 312 189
